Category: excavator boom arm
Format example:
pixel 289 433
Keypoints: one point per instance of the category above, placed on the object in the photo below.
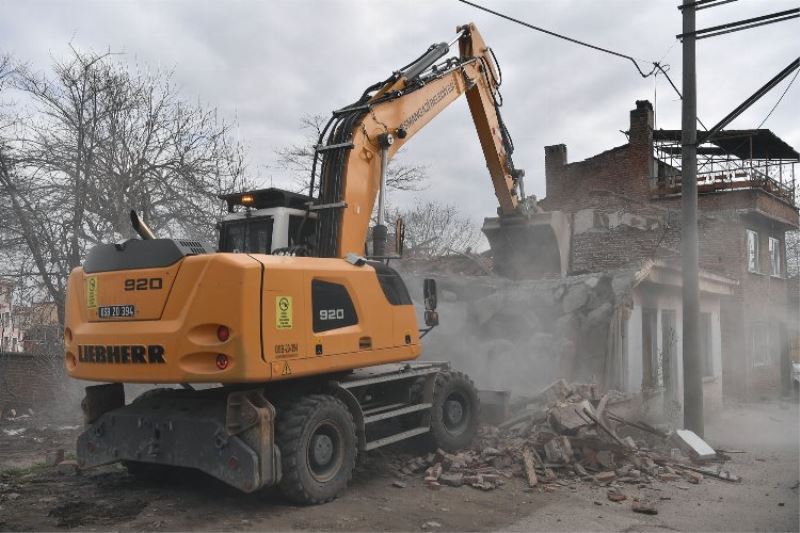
pixel 400 107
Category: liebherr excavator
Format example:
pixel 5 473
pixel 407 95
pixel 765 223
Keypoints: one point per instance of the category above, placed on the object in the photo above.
pixel 310 336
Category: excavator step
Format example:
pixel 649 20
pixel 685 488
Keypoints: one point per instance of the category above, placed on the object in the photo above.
pixel 371 410
pixel 397 412
pixel 396 438
pixel 394 374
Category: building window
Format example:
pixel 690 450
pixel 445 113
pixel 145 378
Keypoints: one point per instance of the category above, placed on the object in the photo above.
pixel 759 344
pixel 752 251
pixel 775 257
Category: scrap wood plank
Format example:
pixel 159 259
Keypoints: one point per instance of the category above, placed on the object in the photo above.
pixel 530 464
pixel 724 475
pixel 642 426
pixel 606 429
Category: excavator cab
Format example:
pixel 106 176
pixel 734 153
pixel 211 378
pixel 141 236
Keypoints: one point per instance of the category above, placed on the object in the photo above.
pixel 266 221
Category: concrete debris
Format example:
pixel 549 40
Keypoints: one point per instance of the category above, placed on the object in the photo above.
pixel 692 445
pixel 431 525
pixel 604 477
pixel 644 507
pixel 452 480
pixel 616 496
pixel 569 417
pixel 561 437
pixel 399 484
pixel 558 450
pixel 693 477
pixel 530 466
pixel 554 393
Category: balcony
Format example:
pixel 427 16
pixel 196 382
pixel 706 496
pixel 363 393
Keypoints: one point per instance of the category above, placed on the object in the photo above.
pixel 735 160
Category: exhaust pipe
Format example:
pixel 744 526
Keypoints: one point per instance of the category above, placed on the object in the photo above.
pixel 140 227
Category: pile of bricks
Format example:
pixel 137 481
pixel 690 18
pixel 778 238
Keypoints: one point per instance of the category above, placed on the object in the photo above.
pixel 562 438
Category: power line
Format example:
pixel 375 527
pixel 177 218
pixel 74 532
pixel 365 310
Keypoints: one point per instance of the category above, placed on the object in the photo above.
pixel 779 99
pixel 657 66
pixel 566 38
pixel 675 88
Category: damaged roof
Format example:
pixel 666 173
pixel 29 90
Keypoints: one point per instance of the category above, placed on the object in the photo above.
pixel 765 144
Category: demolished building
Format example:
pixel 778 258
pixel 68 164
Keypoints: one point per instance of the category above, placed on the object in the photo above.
pixel 625 209
pixel 614 315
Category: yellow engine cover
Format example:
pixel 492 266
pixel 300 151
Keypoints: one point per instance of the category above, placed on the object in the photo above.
pixel 286 317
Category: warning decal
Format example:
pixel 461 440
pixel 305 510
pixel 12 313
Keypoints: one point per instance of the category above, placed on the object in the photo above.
pixel 287 370
pixel 283 312
pixel 91 292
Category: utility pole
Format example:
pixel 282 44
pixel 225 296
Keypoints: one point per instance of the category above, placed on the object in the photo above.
pixel 692 367
pixel 692 358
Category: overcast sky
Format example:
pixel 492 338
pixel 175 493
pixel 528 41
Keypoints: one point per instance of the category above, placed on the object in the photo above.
pixel 268 63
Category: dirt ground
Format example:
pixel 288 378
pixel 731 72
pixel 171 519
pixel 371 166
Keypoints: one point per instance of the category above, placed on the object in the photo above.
pixel 40 498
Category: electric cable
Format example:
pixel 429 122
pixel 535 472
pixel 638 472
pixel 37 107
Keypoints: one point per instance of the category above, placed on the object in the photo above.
pixel 564 37
pixel 779 100
pixel 657 66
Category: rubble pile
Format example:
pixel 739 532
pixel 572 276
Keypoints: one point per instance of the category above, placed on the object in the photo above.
pixel 565 436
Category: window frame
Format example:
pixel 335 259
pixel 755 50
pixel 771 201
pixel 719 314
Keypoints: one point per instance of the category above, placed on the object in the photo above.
pixel 753 260
pixel 776 265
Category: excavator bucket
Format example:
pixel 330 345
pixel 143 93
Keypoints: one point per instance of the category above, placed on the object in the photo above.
pixel 529 246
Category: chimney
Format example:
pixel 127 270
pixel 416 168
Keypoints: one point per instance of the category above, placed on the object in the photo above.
pixel 641 130
pixel 555 158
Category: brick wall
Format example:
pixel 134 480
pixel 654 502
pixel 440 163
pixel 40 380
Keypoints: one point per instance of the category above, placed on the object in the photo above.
pixel 25 382
pixel 624 170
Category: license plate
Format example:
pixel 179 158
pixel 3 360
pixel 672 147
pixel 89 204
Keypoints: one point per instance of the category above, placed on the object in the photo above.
pixel 116 311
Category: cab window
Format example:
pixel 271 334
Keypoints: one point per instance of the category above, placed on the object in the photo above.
pixel 247 236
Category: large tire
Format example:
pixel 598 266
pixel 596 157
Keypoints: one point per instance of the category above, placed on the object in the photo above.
pixel 454 414
pixel 317 440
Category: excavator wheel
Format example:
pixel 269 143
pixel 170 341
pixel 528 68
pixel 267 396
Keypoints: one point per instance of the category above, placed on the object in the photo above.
pixel 317 440
pixel 454 414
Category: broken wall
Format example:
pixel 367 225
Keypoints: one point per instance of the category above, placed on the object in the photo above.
pixel 522 335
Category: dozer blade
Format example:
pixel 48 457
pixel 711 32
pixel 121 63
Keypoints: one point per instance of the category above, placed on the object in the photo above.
pixel 531 246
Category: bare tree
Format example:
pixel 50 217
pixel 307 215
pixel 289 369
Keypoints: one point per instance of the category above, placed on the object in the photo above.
pixel 103 138
pixel 433 229
pixel 297 159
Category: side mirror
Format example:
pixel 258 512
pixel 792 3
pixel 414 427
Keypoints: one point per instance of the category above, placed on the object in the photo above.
pixel 431 318
pixel 429 293
pixel 399 236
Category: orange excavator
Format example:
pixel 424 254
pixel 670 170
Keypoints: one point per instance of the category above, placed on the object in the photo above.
pixel 307 335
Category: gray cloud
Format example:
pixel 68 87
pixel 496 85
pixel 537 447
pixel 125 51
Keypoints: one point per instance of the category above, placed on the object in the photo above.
pixel 268 63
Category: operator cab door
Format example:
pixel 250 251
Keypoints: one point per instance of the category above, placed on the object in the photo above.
pixel 336 324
